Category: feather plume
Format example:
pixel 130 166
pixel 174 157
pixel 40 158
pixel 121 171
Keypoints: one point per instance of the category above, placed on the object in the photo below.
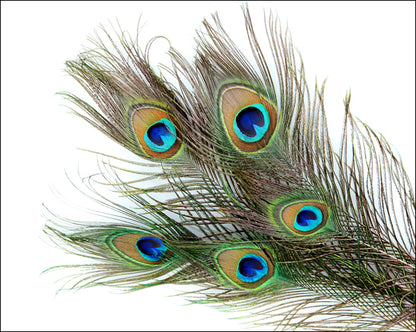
pixel 247 199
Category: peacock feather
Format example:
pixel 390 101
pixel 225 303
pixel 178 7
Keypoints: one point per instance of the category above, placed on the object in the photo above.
pixel 237 189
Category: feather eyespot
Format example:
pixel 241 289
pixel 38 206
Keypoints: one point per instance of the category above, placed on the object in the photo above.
pixel 245 267
pixel 155 130
pixel 142 248
pixel 249 118
pixel 305 218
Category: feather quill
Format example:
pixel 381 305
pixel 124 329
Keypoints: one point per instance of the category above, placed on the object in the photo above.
pixel 252 204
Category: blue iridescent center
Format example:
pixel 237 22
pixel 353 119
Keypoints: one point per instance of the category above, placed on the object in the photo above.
pixel 161 135
pixel 252 268
pixel 251 123
pixel 151 248
pixel 308 218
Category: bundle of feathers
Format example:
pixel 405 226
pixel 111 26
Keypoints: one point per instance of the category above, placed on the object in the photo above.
pixel 248 203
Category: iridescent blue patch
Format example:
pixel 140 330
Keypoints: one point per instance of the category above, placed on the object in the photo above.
pixel 151 248
pixel 161 135
pixel 251 123
pixel 308 218
pixel 252 268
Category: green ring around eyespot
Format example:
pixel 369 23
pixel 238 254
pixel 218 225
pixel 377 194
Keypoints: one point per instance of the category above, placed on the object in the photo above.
pixel 261 130
pixel 170 140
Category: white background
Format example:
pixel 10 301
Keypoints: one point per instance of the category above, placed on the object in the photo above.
pixel 366 47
